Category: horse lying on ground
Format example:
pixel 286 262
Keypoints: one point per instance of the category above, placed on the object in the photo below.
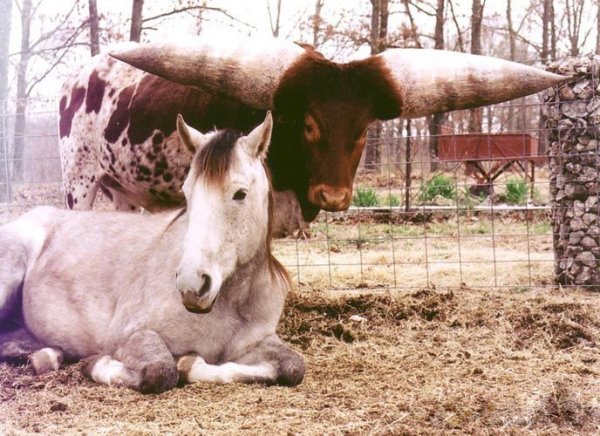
pixel 193 294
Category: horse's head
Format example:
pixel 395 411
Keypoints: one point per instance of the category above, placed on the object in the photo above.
pixel 227 193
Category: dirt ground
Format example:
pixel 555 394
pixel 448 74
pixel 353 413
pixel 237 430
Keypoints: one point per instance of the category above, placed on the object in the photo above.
pixel 420 362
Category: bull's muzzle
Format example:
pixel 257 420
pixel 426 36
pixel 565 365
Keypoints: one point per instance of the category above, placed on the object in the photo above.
pixel 332 199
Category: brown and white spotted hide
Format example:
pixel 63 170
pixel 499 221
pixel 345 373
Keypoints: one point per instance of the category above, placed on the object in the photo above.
pixel 118 133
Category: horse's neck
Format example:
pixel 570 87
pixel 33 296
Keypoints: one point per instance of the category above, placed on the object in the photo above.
pixel 254 287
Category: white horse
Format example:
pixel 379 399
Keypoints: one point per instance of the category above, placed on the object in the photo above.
pixel 109 286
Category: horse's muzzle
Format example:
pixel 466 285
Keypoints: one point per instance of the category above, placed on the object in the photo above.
pixel 194 303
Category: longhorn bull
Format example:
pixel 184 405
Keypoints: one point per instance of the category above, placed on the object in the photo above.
pixel 118 123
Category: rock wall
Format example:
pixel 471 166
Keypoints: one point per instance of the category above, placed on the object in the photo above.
pixel 572 117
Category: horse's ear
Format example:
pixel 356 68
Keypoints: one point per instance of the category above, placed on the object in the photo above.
pixel 259 139
pixel 191 137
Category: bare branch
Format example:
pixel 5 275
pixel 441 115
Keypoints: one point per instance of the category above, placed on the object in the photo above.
pixel 50 33
pixel 461 44
pixel 190 8
pixel 413 26
pixel 69 42
pixel 419 8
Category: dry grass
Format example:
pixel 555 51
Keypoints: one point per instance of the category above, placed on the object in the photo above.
pixel 467 361
pixel 484 251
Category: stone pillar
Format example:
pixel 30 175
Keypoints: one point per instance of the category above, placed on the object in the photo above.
pixel 572 117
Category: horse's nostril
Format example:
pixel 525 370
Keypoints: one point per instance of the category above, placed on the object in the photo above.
pixel 205 284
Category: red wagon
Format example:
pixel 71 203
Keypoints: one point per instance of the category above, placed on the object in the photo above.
pixel 487 156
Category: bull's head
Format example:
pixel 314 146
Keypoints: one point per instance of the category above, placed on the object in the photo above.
pixel 322 108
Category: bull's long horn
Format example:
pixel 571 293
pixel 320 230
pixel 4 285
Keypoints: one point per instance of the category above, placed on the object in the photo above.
pixel 246 72
pixel 430 81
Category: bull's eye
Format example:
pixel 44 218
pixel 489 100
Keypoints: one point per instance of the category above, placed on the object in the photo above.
pixel 240 194
pixel 308 129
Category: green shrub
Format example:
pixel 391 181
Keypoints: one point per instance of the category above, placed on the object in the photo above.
pixel 439 185
pixel 516 191
pixel 391 200
pixel 365 198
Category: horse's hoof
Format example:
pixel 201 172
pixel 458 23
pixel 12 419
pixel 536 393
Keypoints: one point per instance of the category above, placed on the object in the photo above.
pixel 46 360
pixel 157 378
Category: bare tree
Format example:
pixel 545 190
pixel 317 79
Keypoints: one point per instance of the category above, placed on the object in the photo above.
pixel 411 33
pixel 438 119
pixel 573 14
pixel 21 106
pixel 475 117
pixel 512 43
pixel 379 27
pixel 316 22
pixel 274 21
pixel 137 11
pixel 597 26
pixel 552 32
pixel 51 46
pixel 94 34
pixel 459 37
pixel 512 37
pixel 5 26
pixel 546 18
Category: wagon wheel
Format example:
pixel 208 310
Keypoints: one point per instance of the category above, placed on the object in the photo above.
pixel 485 172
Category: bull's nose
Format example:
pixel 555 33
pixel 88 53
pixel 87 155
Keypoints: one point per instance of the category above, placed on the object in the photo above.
pixel 331 199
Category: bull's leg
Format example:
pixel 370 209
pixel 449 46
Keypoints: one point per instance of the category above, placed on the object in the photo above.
pixel 80 167
pixel 121 202
pixel 80 190
pixel 142 362
pixel 270 362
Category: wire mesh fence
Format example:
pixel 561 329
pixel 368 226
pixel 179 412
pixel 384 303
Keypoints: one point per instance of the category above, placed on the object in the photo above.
pixel 447 210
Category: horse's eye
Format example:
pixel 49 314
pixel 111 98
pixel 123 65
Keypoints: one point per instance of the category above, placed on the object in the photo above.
pixel 239 195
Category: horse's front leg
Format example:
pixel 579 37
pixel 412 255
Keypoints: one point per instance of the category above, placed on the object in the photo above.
pixel 142 362
pixel 270 362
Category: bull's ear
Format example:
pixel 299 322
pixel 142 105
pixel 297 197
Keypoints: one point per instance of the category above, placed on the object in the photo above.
pixel 258 140
pixel 429 81
pixel 191 137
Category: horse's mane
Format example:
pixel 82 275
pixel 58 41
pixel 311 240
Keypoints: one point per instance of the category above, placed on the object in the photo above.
pixel 214 159
pixel 276 269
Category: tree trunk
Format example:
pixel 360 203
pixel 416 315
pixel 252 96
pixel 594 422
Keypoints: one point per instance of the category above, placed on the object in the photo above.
pixel 275 25
pixel 94 38
pixel 436 120
pixel 597 26
pixel 137 9
pixel 316 22
pixel 513 54
pixel 5 25
pixel 552 32
pixel 379 25
pixel 546 32
pixel 475 115
pixel 547 19
pixel 20 116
